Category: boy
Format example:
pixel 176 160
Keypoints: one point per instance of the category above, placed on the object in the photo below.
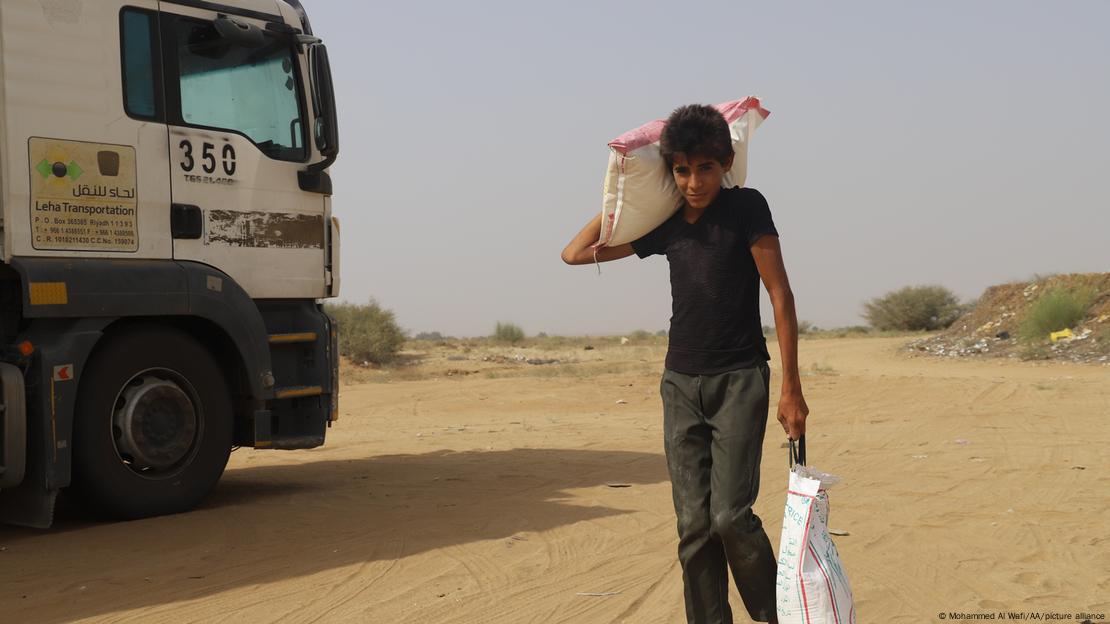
pixel 719 244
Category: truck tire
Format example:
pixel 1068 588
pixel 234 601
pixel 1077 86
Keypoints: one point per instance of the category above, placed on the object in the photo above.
pixel 152 430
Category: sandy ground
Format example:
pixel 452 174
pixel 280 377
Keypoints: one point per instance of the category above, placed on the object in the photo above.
pixel 486 497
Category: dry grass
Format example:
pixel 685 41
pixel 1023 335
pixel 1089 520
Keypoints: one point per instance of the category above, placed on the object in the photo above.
pixel 570 357
pixel 548 357
pixel 848 332
pixel 820 369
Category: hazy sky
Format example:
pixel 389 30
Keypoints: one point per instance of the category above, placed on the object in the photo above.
pixel 958 143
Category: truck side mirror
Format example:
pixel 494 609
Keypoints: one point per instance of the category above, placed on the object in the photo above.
pixel 326 127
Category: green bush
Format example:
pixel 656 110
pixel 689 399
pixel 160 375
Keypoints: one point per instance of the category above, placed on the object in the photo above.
pixel 1055 309
pixel 367 333
pixel 914 308
pixel 508 332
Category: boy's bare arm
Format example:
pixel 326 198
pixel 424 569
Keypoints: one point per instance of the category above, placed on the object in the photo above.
pixel 580 250
pixel 792 410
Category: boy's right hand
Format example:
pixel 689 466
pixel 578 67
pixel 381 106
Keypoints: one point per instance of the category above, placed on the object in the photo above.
pixel 792 414
pixel 580 249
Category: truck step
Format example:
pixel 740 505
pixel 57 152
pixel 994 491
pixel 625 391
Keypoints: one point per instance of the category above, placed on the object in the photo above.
pixel 296 392
pixel 292 338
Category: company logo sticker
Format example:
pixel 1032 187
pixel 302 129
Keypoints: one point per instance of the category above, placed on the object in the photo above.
pixel 83 196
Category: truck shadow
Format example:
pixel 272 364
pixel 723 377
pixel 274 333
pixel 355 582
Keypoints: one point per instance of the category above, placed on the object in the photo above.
pixel 268 523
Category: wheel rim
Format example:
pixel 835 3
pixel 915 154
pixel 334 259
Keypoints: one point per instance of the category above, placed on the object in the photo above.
pixel 156 423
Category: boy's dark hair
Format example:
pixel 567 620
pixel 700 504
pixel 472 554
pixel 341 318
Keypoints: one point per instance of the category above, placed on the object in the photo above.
pixel 696 130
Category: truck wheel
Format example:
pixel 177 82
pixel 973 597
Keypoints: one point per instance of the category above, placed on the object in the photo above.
pixel 153 426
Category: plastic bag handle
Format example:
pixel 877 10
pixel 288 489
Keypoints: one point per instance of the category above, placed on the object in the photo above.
pixel 798 451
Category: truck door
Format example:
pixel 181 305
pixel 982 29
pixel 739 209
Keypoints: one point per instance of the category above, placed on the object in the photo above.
pixel 237 109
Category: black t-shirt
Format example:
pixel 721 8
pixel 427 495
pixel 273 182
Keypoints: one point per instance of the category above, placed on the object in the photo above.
pixel 715 324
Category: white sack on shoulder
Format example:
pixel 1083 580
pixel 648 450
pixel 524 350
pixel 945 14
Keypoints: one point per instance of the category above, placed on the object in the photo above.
pixel 812 587
pixel 640 193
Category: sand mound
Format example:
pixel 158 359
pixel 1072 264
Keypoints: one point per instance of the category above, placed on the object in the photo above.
pixel 991 328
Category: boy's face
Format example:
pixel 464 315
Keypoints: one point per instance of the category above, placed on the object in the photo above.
pixel 698 178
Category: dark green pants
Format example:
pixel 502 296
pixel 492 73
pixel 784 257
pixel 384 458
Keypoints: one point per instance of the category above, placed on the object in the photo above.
pixel 713 427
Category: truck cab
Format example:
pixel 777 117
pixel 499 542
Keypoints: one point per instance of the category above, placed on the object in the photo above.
pixel 167 241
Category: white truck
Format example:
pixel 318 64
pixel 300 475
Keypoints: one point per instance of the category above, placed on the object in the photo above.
pixel 167 241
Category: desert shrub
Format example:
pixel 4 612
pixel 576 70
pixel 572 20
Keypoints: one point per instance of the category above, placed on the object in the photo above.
pixel 662 333
pixel 805 327
pixel 914 308
pixel 854 329
pixel 1055 309
pixel 434 335
pixel 508 332
pixel 640 334
pixel 367 333
pixel 843 332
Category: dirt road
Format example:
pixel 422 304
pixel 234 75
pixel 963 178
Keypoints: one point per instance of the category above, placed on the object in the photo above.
pixel 489 496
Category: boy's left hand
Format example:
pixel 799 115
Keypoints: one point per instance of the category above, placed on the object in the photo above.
pixel 792 414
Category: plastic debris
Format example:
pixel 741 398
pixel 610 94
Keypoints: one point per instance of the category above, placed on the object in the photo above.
pixel 1059 335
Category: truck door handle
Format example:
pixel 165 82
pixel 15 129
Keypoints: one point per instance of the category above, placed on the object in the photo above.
pixel 186 221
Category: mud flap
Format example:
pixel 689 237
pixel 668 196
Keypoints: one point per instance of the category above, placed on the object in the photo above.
pixel 61 348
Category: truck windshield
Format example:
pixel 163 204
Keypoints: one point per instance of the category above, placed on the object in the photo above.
pixel 249 90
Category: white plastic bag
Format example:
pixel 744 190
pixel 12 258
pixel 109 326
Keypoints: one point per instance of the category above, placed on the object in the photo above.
pixel 812 587
pixel 640 192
